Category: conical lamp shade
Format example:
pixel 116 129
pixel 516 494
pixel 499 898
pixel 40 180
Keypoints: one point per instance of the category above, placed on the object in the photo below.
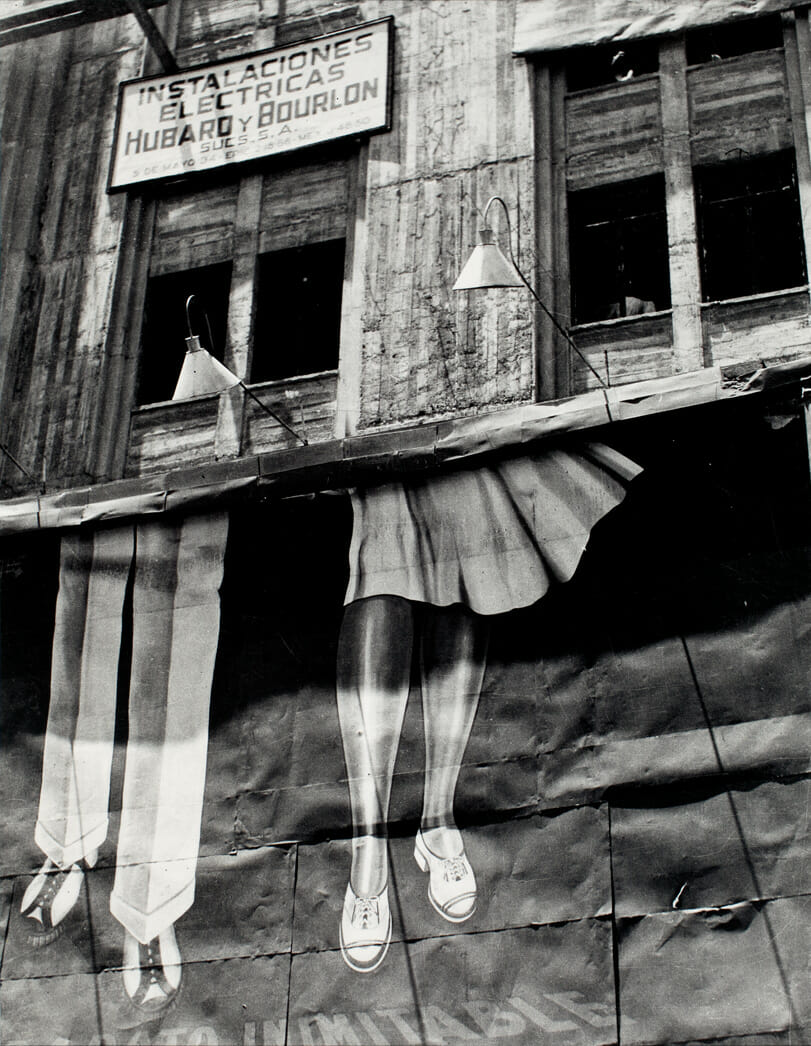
pixel 201 374
pixel 487 267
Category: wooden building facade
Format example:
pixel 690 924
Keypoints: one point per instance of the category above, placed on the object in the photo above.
pixel 635 786
pixel 401 210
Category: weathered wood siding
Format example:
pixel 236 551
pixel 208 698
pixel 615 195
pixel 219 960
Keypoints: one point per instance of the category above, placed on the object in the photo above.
pixel 613 133
pixel 306 404
pixel 462 131
pixel 194 229
pixel 738 106
pixel 625 350
pixel 60 242
pixel 304 203
pixel 768 328
pixel 183 434
pixel 75 261
pixel 172 435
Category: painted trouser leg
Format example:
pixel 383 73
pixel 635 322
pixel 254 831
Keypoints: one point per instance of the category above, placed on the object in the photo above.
pixel 176 614
pixel 73 806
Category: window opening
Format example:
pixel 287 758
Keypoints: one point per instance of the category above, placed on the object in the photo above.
pixel 714 42
pixel 618 250
pixel 164 331
pixel 298 313
pixel 608 64
pixel 750 227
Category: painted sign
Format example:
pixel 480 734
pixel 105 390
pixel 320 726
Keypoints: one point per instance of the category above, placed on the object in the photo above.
pixel 258 105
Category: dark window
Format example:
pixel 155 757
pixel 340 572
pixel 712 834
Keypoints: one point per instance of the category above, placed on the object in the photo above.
pixel 298 313
pixel 164 332
pixel 750 228
pixel 614 63
pixel 714 42
pixel 618 250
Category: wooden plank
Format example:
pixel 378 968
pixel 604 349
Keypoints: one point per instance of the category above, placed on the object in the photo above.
pixel 347 407
pixel 37 18
pixel 216 29
pixel 797 42
pixel 171 435
pixel 120 359
pixel 682 234
pixel 241 308
pixel 153 35
pixel 305 202
pixel 739 104
pixel 561 291
pixel 638 348
pixel 613 133
pixel 807 418
pixel 768 327
pixel 306 404
pixel 24 171
pixel 194 228
pixel 545 242
pixel 245 247
pixel 118 371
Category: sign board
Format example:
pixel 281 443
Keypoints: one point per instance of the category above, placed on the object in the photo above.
pixel 257 105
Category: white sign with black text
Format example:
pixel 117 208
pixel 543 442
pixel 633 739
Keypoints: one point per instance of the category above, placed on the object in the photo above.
pixel 270 102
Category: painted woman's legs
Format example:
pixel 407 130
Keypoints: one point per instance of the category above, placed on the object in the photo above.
pixel 453 656
pixel 453 653
pixel 374 661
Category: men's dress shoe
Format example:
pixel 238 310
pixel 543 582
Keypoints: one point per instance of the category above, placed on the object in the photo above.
pixel 365 930
pixel 152 971
pixel 452 884
pixel 50 896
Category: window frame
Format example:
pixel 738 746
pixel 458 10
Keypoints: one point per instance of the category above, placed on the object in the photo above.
pixel 555 176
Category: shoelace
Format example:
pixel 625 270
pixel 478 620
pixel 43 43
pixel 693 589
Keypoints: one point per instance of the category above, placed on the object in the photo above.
pixel 56 879
pixel 152 962
pixel 365 911
pixel 454 869
pixel 154 967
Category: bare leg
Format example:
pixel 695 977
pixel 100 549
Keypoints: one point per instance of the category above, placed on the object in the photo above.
pixel 453 656
pixel 374 661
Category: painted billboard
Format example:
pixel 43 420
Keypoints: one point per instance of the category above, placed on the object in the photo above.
pixel 516 750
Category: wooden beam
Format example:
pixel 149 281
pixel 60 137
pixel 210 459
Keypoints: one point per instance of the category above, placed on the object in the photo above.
pixel 107 446
pixel 341 463
pixel 347 407
pixel 797 46
pixel 807 416
pixel 241 311
pixel 553 368
pixel 41 17
pixel 682 235
pixel 153 35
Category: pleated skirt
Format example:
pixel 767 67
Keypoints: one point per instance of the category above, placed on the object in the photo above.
pixel 493 537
